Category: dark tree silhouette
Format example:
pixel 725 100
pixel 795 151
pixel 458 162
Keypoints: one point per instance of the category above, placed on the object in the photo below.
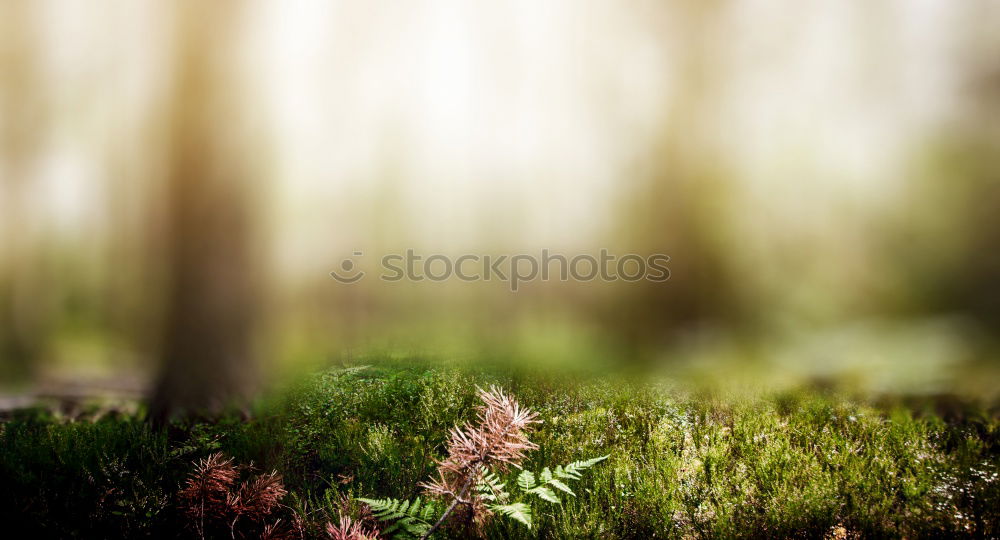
pixel 206 358
pixel 24 317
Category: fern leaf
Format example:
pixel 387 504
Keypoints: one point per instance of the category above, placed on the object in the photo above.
pixel 492 489
pixel 517 511
pixel 382 507
pixel 409 520
pixel 573 469
pixel 546 494
pixel 546 475
pixel 558 484
pixel 489 482
pixel 414 528
pixel 526 480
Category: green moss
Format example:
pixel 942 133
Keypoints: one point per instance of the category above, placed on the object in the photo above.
pixel 682 464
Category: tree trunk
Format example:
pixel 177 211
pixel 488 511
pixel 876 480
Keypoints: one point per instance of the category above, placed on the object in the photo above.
pixel 24 296
pixel 206 357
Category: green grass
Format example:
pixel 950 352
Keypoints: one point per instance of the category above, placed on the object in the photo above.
pixel 684 463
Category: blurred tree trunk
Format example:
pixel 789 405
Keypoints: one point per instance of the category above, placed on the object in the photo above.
pixel 23 311
pixel 206 353
pixel 679 209
pixel 948 225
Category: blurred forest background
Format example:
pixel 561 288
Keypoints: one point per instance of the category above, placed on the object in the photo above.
pixel 177 180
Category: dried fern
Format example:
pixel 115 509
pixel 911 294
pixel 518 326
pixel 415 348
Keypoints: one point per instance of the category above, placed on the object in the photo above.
pixel 212 499
pixel 348 529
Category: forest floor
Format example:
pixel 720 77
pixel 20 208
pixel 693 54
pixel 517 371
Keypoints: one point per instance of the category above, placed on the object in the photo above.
pixel 684 462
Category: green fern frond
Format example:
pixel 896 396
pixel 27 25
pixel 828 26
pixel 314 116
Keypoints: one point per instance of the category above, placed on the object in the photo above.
pixel 428 513
pixel 382 506
pixel 408 519
pixel 549 478
pixel 517 511
pixel 573 470
pixel 545 494
pixel 558 484
pixel 546 475
pixel 492 489
pixel 526 480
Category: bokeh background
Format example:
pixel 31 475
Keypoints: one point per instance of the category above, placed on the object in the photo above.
pixel 177 180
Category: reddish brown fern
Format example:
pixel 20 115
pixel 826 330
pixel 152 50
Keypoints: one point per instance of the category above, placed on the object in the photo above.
pixel 349 530
pixel 211 494
pixel 259 497
pixel 280 531
pixel 207 491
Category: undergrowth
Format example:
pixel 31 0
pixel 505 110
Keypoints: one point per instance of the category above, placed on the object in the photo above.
pixel 682 464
